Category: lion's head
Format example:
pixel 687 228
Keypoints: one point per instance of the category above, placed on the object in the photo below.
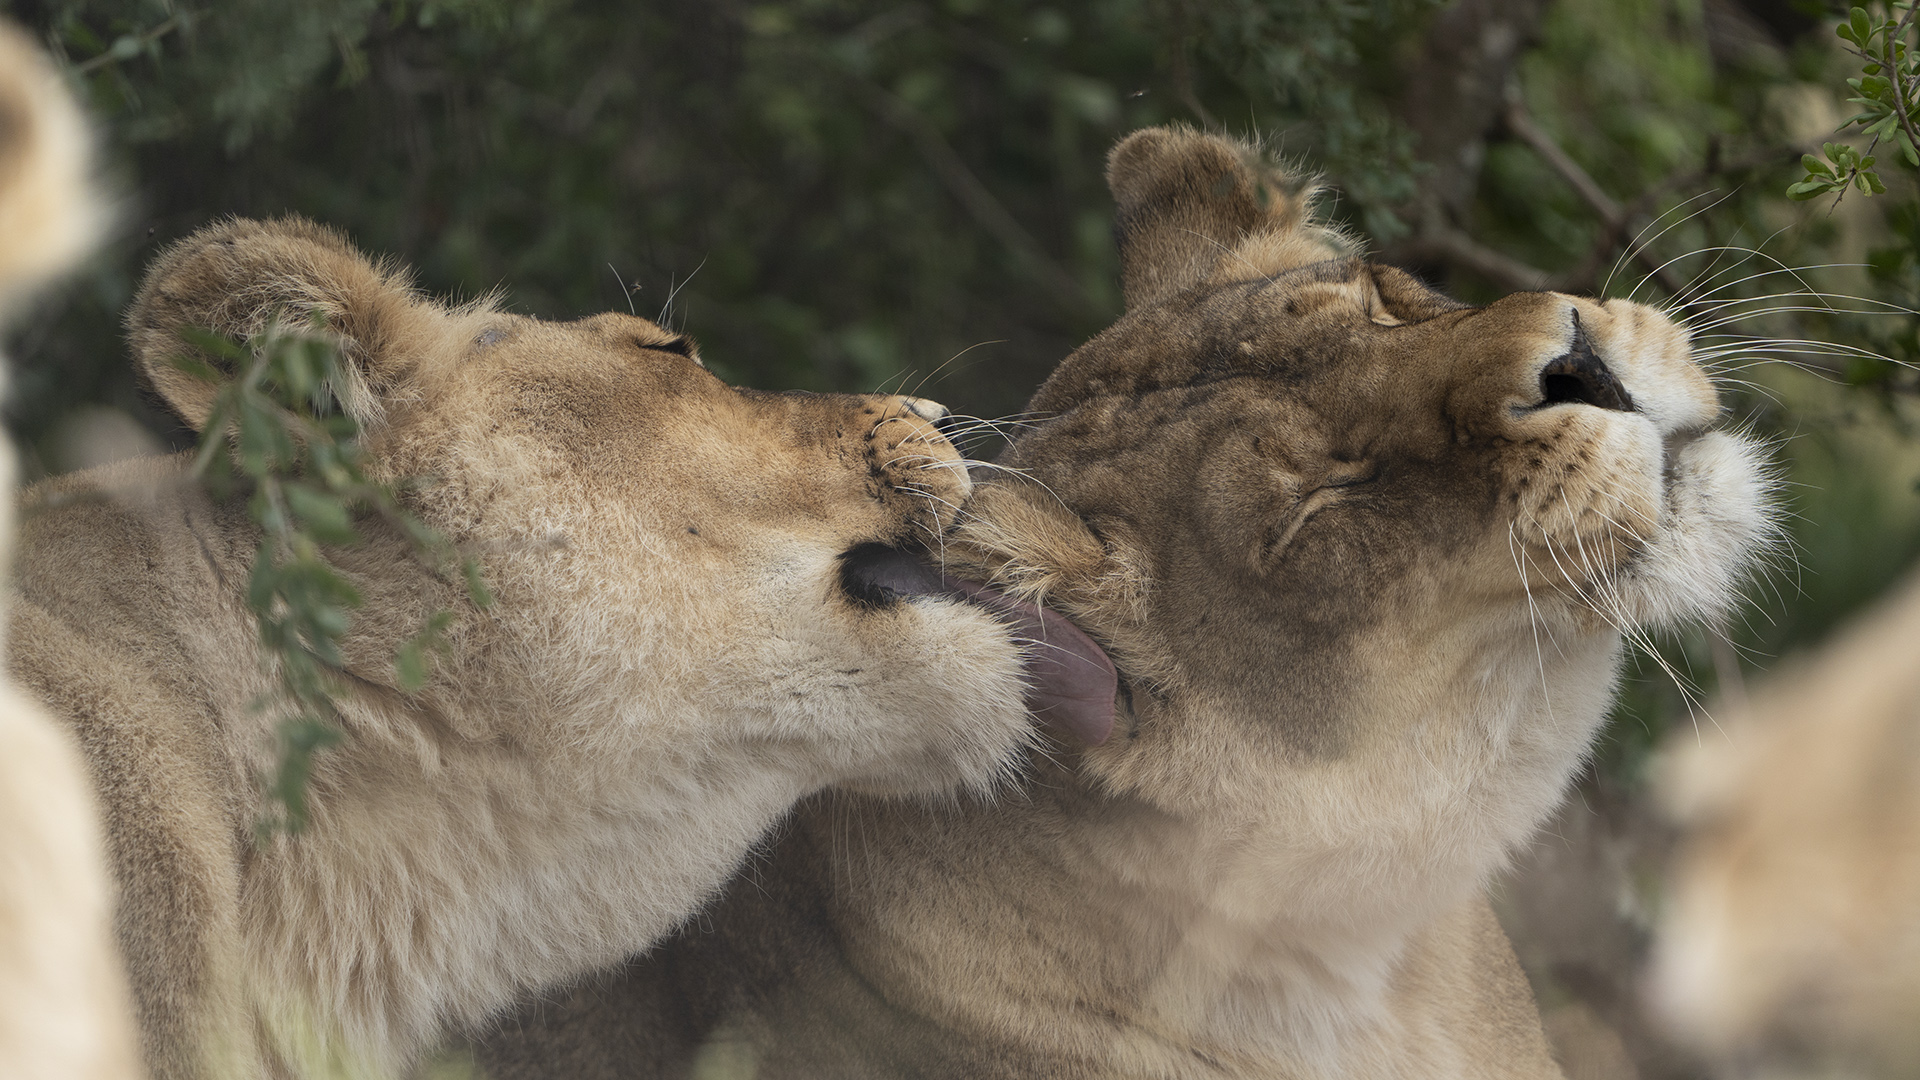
pixel 668 551
pixel 1363 554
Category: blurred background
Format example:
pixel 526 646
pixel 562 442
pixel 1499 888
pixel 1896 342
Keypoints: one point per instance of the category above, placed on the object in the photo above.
pixel 841 195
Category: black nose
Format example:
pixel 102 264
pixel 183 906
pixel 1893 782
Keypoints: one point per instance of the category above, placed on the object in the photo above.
pixel 1580 375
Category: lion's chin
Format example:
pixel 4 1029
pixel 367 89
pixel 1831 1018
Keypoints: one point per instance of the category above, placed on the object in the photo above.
pixel 1071 682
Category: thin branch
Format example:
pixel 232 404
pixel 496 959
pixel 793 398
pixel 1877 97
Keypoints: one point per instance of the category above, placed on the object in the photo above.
pixel 972 194
pixel 1613 217
pixel 1896 64
pixel 1180 70
pixel 1438 242
pixel 1520 123
pixel 141 42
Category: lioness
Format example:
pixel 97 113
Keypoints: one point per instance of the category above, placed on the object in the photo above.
pixel 63 1008
pixel 699 619
pixel 1792 928
pixel 1362 556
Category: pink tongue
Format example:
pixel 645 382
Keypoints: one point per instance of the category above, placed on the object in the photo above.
pixel 1071 682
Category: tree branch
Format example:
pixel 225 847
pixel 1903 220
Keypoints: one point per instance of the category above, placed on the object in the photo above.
pixel 1520 122
pixel 1442 243
pixel 973 195
pixel 1438 242
pixel 1896 64
pixel 1613 217
pixel 128 46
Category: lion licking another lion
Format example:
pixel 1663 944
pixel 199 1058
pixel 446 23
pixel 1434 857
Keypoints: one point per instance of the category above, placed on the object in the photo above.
pixel 1346 565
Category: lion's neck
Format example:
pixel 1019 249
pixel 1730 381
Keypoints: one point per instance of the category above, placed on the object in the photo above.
pixel 1273 916
pixel 428 895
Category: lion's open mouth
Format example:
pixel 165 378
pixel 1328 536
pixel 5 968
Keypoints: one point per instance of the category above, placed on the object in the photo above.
pixel 1070 680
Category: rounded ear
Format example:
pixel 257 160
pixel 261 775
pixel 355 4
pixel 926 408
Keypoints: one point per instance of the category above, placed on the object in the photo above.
pixel 238 276
pixel 1189 203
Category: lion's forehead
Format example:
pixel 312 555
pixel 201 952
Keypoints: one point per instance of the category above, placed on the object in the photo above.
pixel 1331 338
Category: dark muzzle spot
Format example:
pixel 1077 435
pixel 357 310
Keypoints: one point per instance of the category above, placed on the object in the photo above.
pixel 1579 375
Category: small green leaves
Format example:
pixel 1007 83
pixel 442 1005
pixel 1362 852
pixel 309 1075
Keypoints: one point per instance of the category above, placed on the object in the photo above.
pixel 274 433
pixel 1885 94
pixel 1843 166
pixel 1858 28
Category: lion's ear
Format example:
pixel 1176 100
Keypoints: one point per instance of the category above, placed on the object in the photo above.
pixel 237 277
pixel 1193 206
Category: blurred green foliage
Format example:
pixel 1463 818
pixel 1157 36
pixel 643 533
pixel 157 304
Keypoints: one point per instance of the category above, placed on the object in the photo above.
pixel 827 193
pixel 843 194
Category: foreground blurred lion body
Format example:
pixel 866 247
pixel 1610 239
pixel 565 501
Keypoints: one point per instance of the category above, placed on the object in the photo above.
pixel 673 658
pixel 1792 928
pixel 1361 555
pixel 63 1008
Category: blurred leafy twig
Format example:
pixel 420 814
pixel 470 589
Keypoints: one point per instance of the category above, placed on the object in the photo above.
pixel 126 46
pixel 275 434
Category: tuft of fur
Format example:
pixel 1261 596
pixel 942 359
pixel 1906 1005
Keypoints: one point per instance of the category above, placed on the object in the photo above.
pixel 670 663
pixel 1364 557
pixel 1793 925
pixel 63 1006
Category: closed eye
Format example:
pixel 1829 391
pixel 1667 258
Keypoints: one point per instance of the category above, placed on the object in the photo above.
pixel 1330 491
pixel 679 345
pixel 1353 475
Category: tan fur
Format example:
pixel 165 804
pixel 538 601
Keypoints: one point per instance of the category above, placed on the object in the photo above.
pixel 670 663
pixel 63 1007
pixel 1793 925
pixel 1364 581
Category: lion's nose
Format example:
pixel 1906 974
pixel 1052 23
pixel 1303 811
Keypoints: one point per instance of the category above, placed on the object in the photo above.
pixel 1579 375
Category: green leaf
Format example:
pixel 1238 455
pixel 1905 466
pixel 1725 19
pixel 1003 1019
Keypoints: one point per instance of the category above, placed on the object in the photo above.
pixel 410 666
pixel 263 584
pixel 477 590
pixel 1815 167
pixel 301 738
pixel 326 516
pixel 1862 26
